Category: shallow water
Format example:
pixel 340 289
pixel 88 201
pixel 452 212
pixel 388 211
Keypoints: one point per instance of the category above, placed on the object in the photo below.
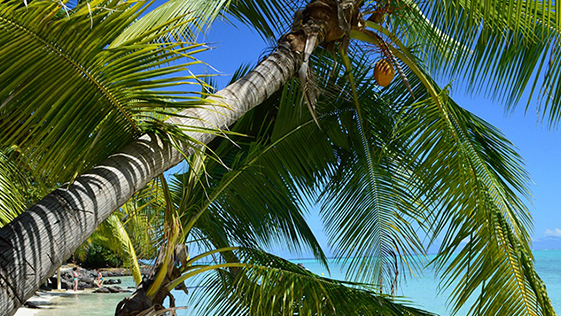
pixel 423 291
pixel 85 303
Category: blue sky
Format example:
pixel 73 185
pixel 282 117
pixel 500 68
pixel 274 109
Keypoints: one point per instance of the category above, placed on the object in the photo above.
pixel 539 147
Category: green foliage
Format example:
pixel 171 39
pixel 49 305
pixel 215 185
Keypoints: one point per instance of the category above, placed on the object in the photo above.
pixel 382 164
pixel 506 49
pixel 113 235
pixel 453 174
pixel 19 186
pixel 69 101
pixel 12 184
pixel 99 256
pixel 245 199
pixel 141 227
pixel 386 164
pixel 110 245
pixel 263 284
pixel 72 92
pixel 263 15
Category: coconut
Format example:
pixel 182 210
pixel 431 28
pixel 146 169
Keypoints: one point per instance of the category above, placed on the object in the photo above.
pixel 383 72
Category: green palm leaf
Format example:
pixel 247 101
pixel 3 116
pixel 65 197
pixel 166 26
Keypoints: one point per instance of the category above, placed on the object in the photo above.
pixel 12 192
pixel 471 177
pixel 441 165
pixel 265 284
pixel 116 238
pixel 262 15
pixel 249 203
pixel 20 186
pixel 481 176
pixel 511 46
pixel 143 223
pixel 68 100
pixel 367 204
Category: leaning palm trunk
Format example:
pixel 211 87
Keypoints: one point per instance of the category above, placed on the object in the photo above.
pixel 41 239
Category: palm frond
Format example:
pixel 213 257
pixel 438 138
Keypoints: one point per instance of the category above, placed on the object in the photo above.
pixel 271 18
pixel 512 47
pixel 265 284
pixel 472 177
pixel 12 190
pixel 20 185
pixel 268 17
pixel 470 182
pixel 142 225
pixel 444 167
pixel 68 101
pixel 367 205
pixel 117 239
pixel 186 18
pixel 249 202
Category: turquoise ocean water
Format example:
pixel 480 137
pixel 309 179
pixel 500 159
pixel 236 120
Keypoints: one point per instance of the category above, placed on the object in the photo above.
pixel 422 291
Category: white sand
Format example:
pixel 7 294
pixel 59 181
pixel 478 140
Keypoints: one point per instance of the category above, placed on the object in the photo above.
pixel 24 311
pixel 39 299
pixel 42 300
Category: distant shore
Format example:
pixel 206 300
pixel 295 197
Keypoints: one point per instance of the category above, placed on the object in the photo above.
pixel 86 277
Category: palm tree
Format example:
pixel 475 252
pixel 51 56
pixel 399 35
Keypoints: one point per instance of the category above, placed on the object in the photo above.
pixel 363 215
pixel 109 185
pixel 113 86
pixel 243 200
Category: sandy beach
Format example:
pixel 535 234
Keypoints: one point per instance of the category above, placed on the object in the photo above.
pixel 43 301
pixel 24 311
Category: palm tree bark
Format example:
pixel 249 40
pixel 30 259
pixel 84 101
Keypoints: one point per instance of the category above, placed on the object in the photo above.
pixel 42 238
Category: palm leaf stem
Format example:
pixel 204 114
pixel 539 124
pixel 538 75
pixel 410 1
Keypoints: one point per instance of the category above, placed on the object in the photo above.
pixel 171 232
pixel 369 160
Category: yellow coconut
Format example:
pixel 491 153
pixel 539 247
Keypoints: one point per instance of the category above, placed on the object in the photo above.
pixel 383 72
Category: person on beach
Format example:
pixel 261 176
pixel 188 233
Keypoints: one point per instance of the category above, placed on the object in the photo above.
pixel 99 279
pixel 75 276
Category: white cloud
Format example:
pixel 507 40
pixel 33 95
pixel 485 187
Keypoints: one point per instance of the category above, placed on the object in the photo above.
pixel 552 233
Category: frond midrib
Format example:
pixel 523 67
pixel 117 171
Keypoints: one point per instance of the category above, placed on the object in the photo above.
pixel 62 55
pixel 473 159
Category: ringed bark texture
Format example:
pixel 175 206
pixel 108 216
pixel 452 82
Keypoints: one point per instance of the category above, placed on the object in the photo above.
pixel 36 243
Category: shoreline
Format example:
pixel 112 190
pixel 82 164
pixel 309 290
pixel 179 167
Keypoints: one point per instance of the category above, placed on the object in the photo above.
pixel 50 302
pixel 423 291
pixel 64 277
pixel 41 299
